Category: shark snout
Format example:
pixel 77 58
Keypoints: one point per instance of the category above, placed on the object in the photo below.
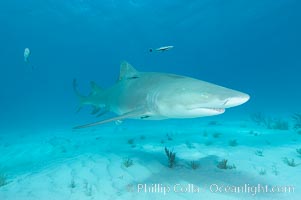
pixel 236 101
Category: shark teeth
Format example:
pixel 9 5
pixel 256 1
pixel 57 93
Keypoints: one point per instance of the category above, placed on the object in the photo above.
pixel 218 109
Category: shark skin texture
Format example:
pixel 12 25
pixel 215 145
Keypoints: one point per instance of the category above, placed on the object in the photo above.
pixel 157 96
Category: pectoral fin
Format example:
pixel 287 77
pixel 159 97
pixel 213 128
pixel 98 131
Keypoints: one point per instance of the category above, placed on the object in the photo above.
pixel 131 114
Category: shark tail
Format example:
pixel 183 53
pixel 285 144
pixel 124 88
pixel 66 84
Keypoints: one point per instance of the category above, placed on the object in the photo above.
pixel 90 99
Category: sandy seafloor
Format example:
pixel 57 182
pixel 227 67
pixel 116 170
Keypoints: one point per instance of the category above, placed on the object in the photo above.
pixel 88 163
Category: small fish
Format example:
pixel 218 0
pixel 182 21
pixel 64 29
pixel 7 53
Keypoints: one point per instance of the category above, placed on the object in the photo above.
pixel 26 55
pixel 161 49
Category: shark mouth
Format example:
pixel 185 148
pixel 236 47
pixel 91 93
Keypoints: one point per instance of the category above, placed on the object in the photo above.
pixel 216 110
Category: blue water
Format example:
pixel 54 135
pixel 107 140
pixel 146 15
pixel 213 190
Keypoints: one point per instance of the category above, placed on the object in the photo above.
pixel 253 46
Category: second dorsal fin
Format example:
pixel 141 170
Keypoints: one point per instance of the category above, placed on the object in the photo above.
pixel 95 89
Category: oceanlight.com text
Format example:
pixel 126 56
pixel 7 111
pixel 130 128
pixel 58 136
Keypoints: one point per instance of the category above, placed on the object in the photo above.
pixel 251 189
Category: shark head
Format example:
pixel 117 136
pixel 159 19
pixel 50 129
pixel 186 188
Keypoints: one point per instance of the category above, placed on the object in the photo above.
pixel 185 97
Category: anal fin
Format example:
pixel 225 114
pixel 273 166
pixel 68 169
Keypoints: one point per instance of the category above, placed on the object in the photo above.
pixel 95 110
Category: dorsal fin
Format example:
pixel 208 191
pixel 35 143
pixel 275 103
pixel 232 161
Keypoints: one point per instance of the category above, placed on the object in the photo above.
pixel 127 71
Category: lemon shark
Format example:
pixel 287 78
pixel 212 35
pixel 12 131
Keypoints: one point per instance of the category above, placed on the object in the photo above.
pixel 157 96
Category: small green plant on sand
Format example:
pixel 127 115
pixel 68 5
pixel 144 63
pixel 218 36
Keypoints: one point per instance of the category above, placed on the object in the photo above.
pixel 88 189
pixel 213 123
pixel 3 179
pixel 262 172
pixel 290 163
pixel 269 122
pixel 127 162
pixel 131 141
pixel 224 165
pixel 171 156
pixel 194 165
pixel 280 124
pixel 275 169
pixel 255 133
pixel 189 145
pixel 72 184
pixel 298 151
pixel 169 137
pixel 216 135
pixel 233 143
pixel 297 121
pixel 208 142
pixel 261 120
pixel 259 153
